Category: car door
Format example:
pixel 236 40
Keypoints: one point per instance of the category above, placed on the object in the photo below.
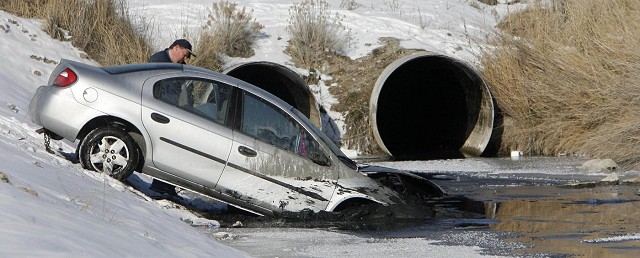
pixel 275 163
pixel 186 122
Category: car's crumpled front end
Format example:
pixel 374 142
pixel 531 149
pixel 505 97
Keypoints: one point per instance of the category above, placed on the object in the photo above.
pixel 362 183
pixel 383 185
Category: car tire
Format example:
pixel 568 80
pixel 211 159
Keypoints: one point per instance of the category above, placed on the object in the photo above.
pixel 81 161
pixel 110 150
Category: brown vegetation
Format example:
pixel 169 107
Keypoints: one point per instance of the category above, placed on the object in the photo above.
pixel 566 77
pixel 101 28
pixel 314 32
pixel 229 31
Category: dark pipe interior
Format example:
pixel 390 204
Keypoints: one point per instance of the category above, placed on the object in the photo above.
pixel 427 108
pixel 277 80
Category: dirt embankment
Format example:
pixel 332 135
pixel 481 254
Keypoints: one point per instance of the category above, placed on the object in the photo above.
pixel 353 82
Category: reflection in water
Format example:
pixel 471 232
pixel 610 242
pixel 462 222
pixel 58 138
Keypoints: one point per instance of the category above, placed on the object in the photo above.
pixel 566 221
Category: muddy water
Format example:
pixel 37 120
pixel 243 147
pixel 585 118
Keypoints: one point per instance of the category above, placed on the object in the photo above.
pixel 593 221
pixel 554 221
pixel 587 220
pixel 511 208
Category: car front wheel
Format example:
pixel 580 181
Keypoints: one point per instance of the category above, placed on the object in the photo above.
pixel 110 150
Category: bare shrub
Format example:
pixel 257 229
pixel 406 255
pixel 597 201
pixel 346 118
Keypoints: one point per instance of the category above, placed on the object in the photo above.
pixel 232 30
pixel 394 6
pixel 208 54
pixel 489 2
pixel 102 28
pixel 349 4
pixel 567 79
pixel 228 31
pixel 314 31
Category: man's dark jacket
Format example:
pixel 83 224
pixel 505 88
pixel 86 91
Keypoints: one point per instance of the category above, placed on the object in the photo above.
pixel 161 57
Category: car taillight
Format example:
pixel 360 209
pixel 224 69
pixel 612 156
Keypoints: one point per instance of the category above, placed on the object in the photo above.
pixel 65 78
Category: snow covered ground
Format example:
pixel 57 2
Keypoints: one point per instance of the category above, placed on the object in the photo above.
pixel 51 207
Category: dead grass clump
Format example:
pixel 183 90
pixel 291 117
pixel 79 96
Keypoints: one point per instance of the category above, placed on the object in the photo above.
pixel 102 28
pixel 233 30
pixel 229 31
pixel 207 53
pixel 489 2
pixel 314 32
pixel 349 4
pixel 24 8
pixel 566 77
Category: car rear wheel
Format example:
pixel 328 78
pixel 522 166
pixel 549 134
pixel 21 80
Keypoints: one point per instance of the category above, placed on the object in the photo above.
pixel 110 150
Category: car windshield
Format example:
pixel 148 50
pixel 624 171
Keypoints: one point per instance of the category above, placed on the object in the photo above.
pixel 334 148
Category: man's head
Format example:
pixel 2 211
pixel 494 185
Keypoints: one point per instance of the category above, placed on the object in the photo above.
pixel 180 51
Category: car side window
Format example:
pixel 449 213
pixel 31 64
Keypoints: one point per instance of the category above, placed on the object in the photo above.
pixel 269 124
pixel 205 98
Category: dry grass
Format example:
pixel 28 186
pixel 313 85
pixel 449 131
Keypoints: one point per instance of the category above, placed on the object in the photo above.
pixel 230 31
pixel 24 8
pixel 234 30
pixel 489 2
pixel 567 79
pixel 314 32
pixel 207 53
pixel 101 28
pixel 349 4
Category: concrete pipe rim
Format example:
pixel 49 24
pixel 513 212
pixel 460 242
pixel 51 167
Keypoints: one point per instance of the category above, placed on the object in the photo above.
pixel 482 130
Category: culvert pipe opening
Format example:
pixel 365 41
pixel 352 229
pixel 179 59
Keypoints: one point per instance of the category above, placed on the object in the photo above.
pixel 281 82
pixel 426 106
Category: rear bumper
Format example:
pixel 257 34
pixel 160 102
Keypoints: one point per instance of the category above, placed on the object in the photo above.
pixel 34 107
pixel 57 111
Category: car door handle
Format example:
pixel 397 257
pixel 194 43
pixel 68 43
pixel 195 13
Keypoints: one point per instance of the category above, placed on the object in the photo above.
pixel 247 151
pixel 160 118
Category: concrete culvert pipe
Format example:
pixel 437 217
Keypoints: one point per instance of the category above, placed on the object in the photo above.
pixel 281 82
pixel 426 106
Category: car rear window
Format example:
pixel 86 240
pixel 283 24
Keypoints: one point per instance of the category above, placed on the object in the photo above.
pixel 120 69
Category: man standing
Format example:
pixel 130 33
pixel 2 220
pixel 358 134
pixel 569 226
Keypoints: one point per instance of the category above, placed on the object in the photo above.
pixel 178 52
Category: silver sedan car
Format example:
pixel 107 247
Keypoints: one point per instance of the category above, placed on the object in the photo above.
pixel 209 133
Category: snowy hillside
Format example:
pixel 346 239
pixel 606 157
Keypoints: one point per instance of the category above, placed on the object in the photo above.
pixel 51 207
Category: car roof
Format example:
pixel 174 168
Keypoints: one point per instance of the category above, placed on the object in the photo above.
pixel 123 71
pixel 130 68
